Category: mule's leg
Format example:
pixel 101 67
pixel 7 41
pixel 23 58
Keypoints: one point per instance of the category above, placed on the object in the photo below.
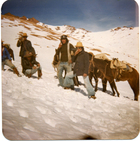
pixel 135 88
pixel 96 82
pixel 90 77
pixel 104 83
pixel 114 85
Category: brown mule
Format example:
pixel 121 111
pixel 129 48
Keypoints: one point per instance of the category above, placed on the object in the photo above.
pixel 110 75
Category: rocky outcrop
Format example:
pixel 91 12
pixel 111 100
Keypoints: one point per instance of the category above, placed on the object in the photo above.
pixel 23 18
pixel 11 15
pixel 33 20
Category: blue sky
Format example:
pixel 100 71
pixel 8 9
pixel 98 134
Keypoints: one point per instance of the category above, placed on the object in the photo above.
pixel 93 15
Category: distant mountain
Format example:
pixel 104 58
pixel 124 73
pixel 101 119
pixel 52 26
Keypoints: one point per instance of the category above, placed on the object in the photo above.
pixel 23 18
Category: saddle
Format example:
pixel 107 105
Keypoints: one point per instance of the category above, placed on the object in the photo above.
pixel 120 67
pixel 101 56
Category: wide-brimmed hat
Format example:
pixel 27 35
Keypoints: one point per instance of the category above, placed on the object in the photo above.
pixel 24 35
pixel 79 44
pixel 28 54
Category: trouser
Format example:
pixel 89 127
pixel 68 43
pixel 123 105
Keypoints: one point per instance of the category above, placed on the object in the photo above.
pixel 32 71
pixel 8 63
pixel 68 82
pixel 22 60
pixel 63 66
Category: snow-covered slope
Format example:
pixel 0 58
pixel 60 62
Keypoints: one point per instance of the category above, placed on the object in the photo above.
pixel 35 109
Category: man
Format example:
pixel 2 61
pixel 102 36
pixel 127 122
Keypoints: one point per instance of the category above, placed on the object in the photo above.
pixel 6 60
pixel 25 46
pixel 30 65
pixel 64 53
pixel 81 67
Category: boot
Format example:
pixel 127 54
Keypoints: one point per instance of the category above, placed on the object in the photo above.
pixel 72 87
pixel 16 72
pixel 29 75
pixel 39 74
pixel 93 96
pixel 66 88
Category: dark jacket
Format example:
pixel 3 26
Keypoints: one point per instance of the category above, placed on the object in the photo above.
pixel 5 55
pixel 64 52
pixel 81 63
pixel 29 64
pixel 25 46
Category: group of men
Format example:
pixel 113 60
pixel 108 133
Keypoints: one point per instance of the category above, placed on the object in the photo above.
pixel 68 55
pixel 28 58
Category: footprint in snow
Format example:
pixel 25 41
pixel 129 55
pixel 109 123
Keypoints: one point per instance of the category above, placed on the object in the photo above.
pixel 23 113
pixel 58 110
pixel 10 103
pixel 29 127
pixel 41 109
pixel 9 91
pixel 49 121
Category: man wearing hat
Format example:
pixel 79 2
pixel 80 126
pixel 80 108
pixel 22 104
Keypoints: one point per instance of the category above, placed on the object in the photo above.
pixel 81 67
pixel 25 46
pixel 30 65
pixel 64 53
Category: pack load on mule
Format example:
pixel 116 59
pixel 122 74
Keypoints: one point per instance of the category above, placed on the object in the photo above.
pixel 120 66
pixel 101 56
pixel 128 73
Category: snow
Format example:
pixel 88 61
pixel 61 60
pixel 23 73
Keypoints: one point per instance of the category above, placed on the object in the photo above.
pixel 35 109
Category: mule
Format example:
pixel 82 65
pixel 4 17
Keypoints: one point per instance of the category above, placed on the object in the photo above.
pixel 110 75
pixel 95 73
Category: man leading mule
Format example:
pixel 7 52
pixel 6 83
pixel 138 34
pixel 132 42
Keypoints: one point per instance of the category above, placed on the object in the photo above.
pixel 64 54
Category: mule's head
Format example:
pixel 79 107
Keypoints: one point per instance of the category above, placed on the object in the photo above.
pixel 91 55
pixel 55 59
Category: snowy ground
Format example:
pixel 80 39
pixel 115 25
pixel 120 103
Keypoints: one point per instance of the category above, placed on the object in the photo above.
pixel 35 109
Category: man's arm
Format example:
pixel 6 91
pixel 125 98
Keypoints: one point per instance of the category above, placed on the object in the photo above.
pixel 19 42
